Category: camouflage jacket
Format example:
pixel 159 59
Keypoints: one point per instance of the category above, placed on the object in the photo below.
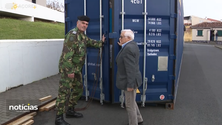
pixel 74 50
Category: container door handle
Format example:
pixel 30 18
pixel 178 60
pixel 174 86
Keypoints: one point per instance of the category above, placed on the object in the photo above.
pixel 153 78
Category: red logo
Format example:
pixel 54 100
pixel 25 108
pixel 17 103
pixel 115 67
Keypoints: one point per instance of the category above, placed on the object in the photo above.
pixel 162 97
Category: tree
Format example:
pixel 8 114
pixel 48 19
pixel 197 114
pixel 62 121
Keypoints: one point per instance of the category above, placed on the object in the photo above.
pixel 55 5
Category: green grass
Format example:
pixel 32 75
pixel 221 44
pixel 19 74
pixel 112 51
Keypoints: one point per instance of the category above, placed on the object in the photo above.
pixel 18 29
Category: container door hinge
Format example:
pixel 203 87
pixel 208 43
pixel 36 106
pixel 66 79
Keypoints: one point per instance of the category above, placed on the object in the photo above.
pixel 173 36
pixel 174 15
pixel 170 96
pixel 172 57
pixel 171 77
pixel 67 1
pixel 67 19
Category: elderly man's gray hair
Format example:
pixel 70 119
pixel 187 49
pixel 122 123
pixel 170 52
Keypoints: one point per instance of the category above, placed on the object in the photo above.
pixel 128 33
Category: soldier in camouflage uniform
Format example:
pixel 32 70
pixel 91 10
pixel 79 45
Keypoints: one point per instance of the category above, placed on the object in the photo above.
pixel 70 68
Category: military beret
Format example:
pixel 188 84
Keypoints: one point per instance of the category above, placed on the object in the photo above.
pixel 84 18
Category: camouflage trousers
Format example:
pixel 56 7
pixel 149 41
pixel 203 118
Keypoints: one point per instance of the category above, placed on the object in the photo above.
pixel 70 90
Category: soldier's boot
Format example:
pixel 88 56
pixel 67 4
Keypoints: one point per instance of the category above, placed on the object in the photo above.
pixel 60 121
pixel 72 114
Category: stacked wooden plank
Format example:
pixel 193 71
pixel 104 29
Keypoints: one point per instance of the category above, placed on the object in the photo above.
pixel 25 120
pixel 45 98
pixel 48 106
pixel 28 119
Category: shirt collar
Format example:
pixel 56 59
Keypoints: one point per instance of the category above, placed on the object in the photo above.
pixel 78 31
pixel 125 44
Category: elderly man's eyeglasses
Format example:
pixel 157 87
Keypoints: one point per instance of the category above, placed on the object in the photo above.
pixel 122 37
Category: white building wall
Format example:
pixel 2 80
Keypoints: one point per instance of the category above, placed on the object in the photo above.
pixel 26 61
pixel 218 38
pixel 195 20
pixel 205 36
pixel 187 21
pixel 39 2
pixel 27 9
pixel 29 0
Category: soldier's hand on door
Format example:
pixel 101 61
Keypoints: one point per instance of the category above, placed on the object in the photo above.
pixel 103 38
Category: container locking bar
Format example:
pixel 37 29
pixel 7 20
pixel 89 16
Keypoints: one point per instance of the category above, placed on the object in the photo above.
pixel 143 97
pixel 101 64
pixel 85 76
pixel 121 98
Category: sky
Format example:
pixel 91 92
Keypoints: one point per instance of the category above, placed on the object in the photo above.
pixel 203 8
pixel 200 8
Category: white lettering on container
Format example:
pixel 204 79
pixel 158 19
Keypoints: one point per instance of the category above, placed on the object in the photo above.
pixel 154 21
pixel 135 20
pixel 154 43
pixel 93 64
pixel 135 32
pixel 152 52
pixel 137 1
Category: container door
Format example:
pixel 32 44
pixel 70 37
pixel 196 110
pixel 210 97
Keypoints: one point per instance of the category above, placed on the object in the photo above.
pixel 153 22
pixel 160 50
pixel 96 69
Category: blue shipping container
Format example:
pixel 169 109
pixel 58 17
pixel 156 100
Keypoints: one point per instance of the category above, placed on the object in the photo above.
pixel 158 27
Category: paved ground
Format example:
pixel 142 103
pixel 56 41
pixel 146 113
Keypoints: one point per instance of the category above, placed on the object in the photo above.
pixel 198 102
pixel 218 46
pixel 26 94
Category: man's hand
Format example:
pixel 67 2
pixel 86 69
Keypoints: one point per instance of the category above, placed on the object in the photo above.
pixel 71 75
pixel 103 39
pixel 130 89
pixel 120 44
